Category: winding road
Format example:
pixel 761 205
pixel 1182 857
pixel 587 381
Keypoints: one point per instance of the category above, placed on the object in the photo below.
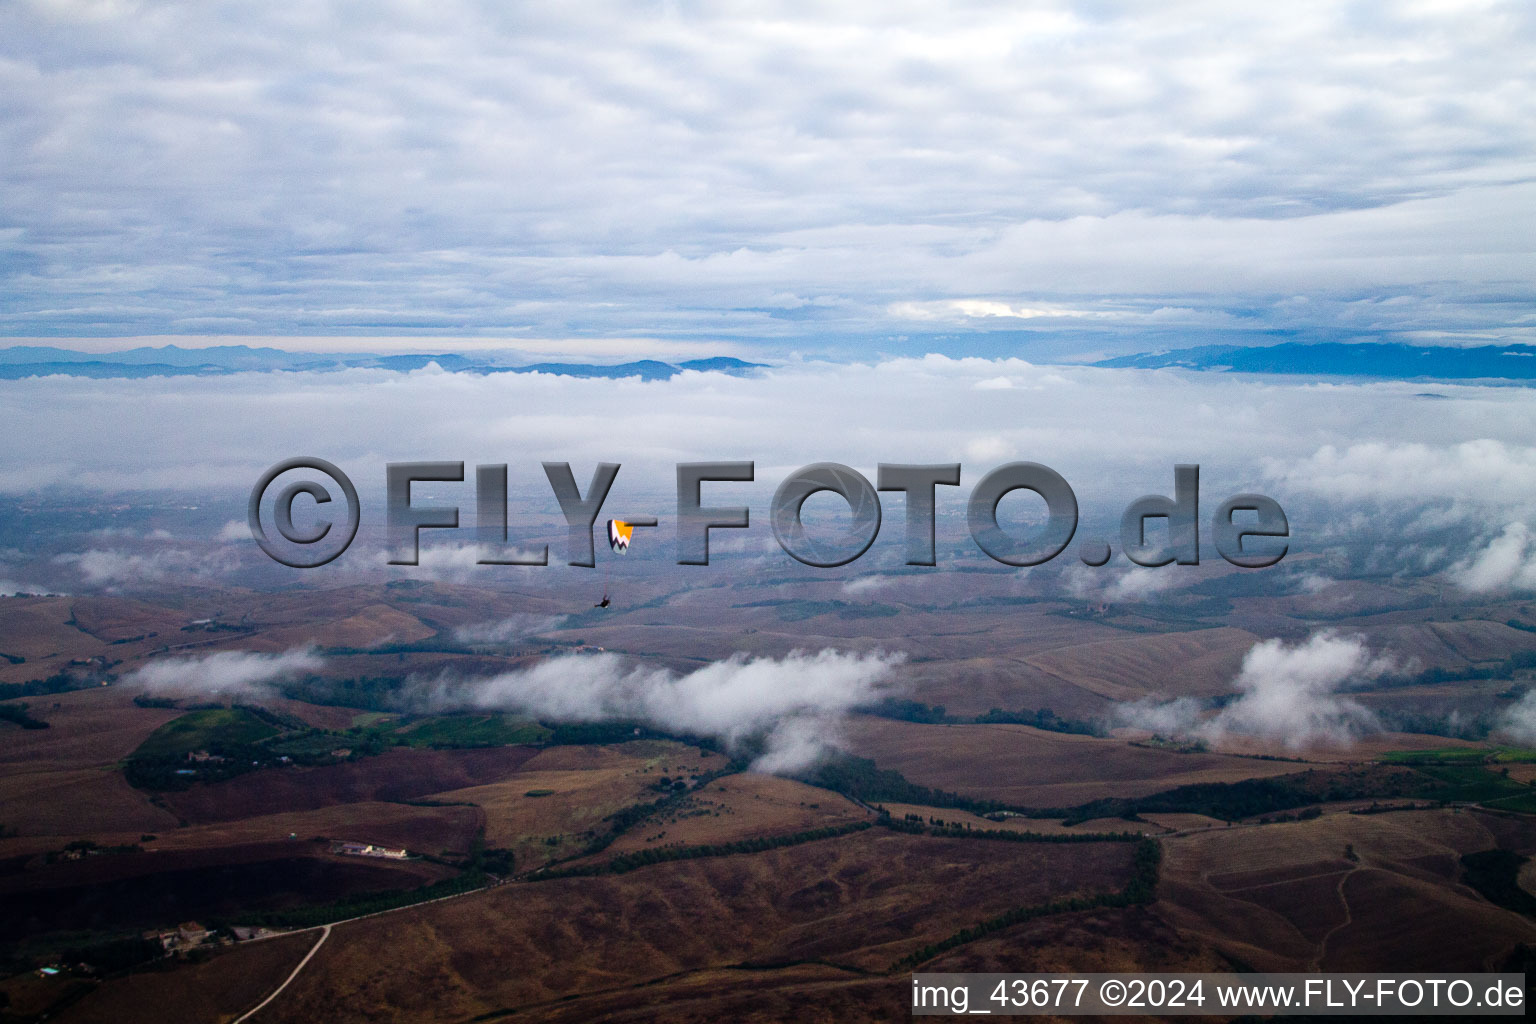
pixel 325 933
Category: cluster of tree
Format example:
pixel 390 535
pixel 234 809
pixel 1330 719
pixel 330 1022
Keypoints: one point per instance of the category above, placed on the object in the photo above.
pixel 62 681
pixel 370 693
pixel 1042 718
pixel 944 831
pixel 1505 669
pixel 17 714
pixel 667 784
pixel 90 846
pixel 1495 875
pixel 1456 724
pixel 626 818
pixel 104 953
pixel 497 860
pixel 276 719
pixel 578 734
pixel 1379 808
pixel 905 710
pixel 173 772
pixel 113 955
pixel 861 779
pixel 1233 801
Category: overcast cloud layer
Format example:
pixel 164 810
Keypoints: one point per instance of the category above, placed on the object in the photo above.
pixel 773 174
pixel 1369 442
pixel 1432 478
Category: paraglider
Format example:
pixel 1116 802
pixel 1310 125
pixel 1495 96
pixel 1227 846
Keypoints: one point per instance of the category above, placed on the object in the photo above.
pixel 619 534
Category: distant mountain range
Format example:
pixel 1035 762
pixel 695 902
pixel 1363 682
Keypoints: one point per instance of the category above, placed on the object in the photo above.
pixel 1331 359
pixel 171 361
pixel 1399 362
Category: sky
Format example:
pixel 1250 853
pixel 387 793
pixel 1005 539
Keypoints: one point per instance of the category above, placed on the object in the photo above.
pixel 848 181
pixel 919 217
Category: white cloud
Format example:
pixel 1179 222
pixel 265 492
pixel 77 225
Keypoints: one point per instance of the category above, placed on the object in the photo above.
pixel 794 705
pixel 1479 469
pixel 1177 717
pixel 1107 584
pixel 11 588
pixel 863 585
pixel 1518 722
pixel 1292 694
pixel 440 555
pixel 111 566
pixel 508 630
pixel 1508 562
pixel 1314 583
pixel 232 674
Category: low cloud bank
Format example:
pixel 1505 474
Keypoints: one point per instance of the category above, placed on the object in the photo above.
pixel 226 674
pixel 789 710
pixel 11 588
pixel 508 630
pixel 1518 722
pixel 862 585
pixel 1290 693
pixel 1128 585
pixel 1507 563
pixel 794 706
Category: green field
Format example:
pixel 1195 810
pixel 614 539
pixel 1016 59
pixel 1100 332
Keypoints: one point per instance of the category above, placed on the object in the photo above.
pixel 1456 783
pixel 226 727
pixel 1525 803
pixel 1462 755
pixel 199 730
pixel 473 731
